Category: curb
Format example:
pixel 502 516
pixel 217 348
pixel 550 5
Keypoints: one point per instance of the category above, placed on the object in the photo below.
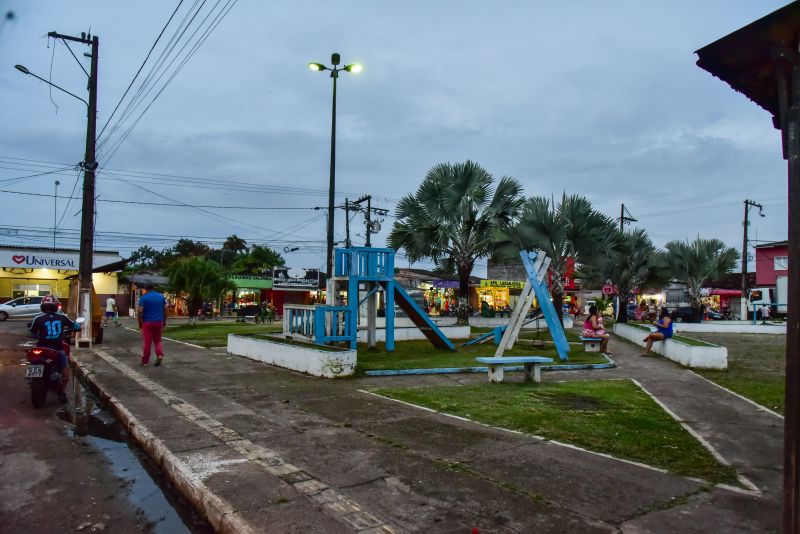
pixel 218 512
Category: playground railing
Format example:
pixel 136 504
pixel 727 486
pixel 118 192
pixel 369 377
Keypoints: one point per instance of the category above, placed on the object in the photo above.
pixel 364 262
pixel 298 320
pixel 332 323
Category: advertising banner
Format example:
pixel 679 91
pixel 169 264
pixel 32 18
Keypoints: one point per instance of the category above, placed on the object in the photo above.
pixel 25 259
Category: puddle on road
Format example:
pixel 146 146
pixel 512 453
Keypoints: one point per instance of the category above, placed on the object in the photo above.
pixel 165 511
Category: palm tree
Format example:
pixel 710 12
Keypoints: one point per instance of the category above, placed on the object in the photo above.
pixel 235 244
pixel 697 262
pixel 259 260
pixel 196 280
pixel 571 228
pixel 635 264
pixel 452 218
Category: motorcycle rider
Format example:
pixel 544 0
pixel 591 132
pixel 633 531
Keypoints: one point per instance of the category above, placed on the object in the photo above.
pixel 48 328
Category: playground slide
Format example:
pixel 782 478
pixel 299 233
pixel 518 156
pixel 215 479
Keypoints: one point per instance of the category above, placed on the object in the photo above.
pixel 420 319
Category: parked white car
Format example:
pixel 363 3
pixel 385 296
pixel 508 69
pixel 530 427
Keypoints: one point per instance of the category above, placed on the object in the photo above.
pixel 20 307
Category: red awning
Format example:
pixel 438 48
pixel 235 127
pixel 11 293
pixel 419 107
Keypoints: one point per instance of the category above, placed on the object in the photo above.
pixel 726 292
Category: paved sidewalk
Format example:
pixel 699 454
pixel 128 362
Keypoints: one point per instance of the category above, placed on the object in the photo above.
pixel 263 449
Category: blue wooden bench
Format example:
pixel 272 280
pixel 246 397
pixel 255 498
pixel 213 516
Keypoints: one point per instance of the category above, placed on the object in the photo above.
pixel 531 366
pixel 591 344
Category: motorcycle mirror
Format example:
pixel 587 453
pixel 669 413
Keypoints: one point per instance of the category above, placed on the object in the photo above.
pixel 80 320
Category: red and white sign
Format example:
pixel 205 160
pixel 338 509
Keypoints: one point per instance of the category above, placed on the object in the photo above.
pixel 609 289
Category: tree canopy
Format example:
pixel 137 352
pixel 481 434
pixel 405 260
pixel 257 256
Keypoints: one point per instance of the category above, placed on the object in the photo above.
pixel 699 261
pixel 453 217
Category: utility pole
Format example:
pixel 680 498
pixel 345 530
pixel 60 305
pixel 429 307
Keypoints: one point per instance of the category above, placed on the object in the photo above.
pixel 87 215
pixel 623 220
pixel 745 224
pixel 368 214
pixel 55 213
pixel 347 223
pixel 367 218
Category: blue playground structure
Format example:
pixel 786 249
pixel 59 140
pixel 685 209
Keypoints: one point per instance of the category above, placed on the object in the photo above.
pixel 362 271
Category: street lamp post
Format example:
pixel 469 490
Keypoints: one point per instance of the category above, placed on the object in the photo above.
pixel 89 166
pixel 334 70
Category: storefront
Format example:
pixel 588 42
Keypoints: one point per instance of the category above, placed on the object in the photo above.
pixel 720 299
pixel 440 296
pixel 249 292
pixel 28 271
pixel 290 287
pixel 499 294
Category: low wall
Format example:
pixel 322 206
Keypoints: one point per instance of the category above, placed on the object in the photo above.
pixel 317 362
pixel 491 322
pixel 700 357
pixel 725 327
pixel 412 333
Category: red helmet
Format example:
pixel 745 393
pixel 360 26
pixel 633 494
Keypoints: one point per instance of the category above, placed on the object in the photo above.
pixel 49 304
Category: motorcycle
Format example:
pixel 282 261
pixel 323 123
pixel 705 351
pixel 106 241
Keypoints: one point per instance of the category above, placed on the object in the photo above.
pixel 41 371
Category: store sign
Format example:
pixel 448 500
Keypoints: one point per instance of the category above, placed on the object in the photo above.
pixel 510 284
pixel 251 281
pixel 48 260
pixel 446 284
pixel 281 279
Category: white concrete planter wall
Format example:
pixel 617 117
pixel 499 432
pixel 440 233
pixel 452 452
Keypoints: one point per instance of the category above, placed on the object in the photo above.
pixel 724 327
pixel 491 322
pixel 323 363
pixel 700 357
pixel 412 333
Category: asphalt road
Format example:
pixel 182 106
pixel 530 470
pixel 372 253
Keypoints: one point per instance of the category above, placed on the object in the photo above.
pixel 51 480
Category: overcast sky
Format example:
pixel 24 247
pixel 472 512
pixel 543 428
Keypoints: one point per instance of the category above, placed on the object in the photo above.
pixel 598 98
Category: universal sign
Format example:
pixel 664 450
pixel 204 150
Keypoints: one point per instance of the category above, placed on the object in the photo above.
pixel 44 260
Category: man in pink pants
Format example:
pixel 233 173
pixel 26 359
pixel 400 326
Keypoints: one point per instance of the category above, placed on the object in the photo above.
pixel 151 313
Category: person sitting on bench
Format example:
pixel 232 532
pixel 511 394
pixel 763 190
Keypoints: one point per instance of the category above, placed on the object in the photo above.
pixel 663 330
pixel 593 328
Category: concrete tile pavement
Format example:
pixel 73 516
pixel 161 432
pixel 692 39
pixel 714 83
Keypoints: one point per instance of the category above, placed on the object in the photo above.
pixel 285 452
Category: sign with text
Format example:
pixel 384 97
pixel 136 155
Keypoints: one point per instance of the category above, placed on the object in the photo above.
pixel 282 280
pixel 26 259
pixel 509 284
pixel 446 284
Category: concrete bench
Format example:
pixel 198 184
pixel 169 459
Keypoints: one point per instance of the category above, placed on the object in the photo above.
pixel 591 344
pixel 531 363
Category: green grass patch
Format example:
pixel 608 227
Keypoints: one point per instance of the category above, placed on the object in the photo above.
pixel 756 367
pixel 422 355
pixel 614 417
pixel 216 334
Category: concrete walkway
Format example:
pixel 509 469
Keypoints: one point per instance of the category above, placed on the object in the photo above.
pixel 262 449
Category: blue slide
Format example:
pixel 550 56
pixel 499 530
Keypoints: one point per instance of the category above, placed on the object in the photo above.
pixel 420 318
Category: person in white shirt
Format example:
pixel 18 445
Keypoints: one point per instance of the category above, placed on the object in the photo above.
pixel 765 312
pixel 111 312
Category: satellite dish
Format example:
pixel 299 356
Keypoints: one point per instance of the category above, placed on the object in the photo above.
pixel 296 273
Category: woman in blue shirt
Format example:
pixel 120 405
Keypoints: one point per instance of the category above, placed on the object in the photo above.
pixel 663 330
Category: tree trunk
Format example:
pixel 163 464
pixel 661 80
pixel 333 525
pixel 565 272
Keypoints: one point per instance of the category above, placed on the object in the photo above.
pixel 463 294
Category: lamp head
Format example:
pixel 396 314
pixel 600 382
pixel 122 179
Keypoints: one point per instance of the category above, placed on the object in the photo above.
pixel 23 69
pixel 335 59
pixel 316 66
pixel 355 68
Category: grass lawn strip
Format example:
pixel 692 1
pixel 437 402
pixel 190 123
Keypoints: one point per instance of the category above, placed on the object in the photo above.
pixel 422 355
pixel 756 367
pixel 613 417
pixel 215 334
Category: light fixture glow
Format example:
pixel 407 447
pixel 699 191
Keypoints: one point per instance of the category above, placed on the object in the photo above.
pixel 355 68
pixel 316 66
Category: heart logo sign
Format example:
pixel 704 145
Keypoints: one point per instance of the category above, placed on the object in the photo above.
pixel 18 259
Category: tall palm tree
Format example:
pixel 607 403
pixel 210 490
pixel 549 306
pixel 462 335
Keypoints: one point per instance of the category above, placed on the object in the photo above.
pixel 452 218
pixel 636 264
pixel 699 261
pixel 570 229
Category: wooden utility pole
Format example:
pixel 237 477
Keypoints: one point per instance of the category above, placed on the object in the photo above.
pixel 87 211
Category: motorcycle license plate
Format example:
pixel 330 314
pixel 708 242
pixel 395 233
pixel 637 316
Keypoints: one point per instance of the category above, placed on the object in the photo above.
pixel 34 371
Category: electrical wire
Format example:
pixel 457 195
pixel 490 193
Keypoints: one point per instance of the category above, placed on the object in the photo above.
pixel 140 69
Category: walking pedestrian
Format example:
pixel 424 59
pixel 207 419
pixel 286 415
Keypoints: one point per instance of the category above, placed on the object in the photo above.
pixel 151 314
pixel 111 312
pixel 663 330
